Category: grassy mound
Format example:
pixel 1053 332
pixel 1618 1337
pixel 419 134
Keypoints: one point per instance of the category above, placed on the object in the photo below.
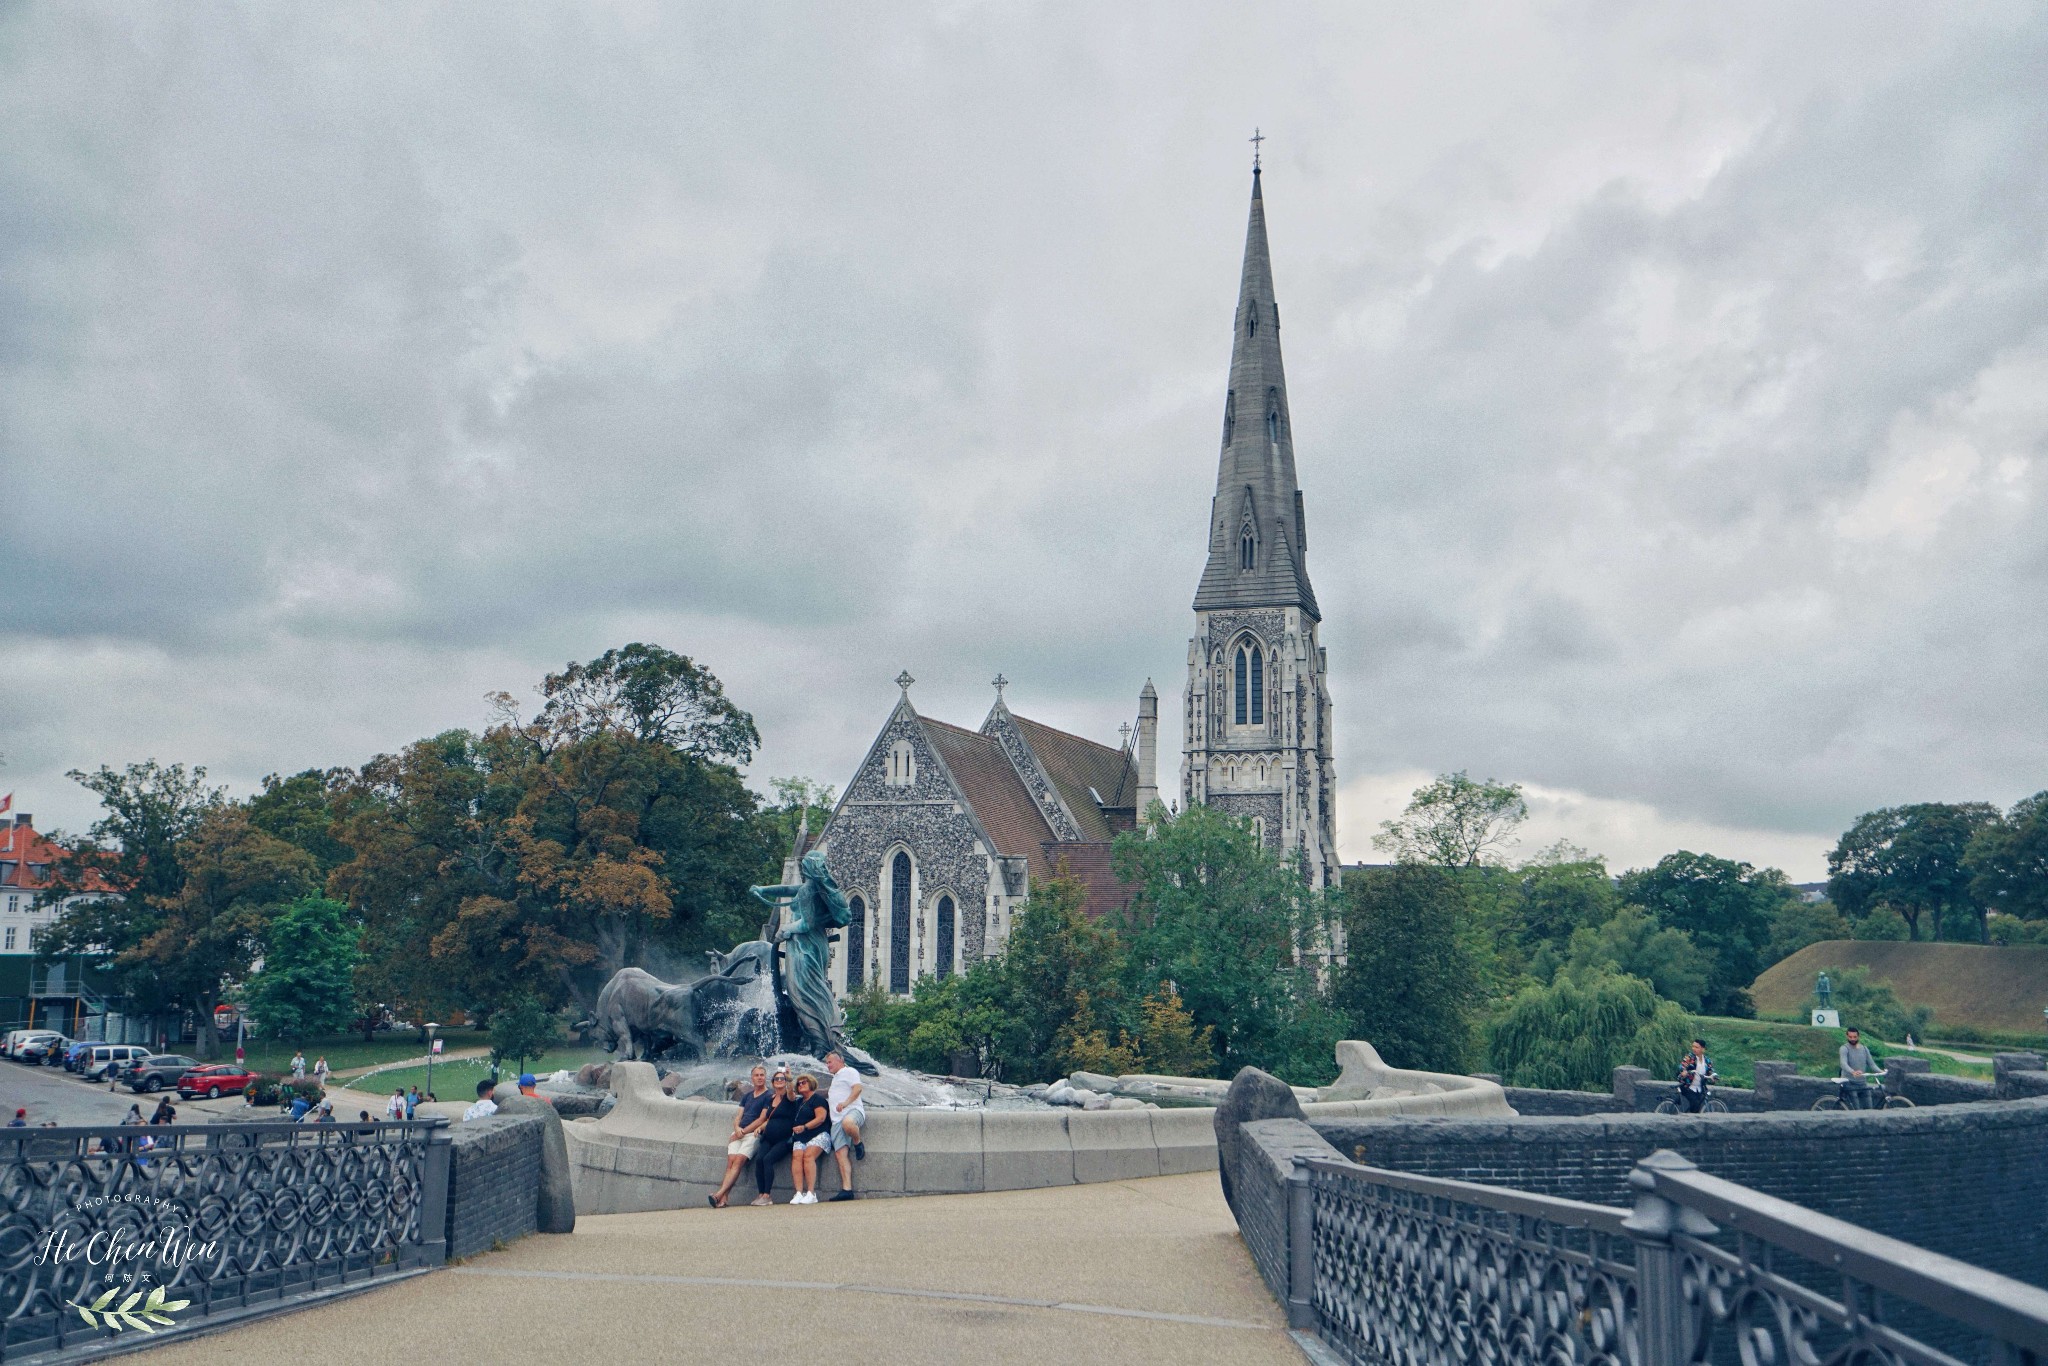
pixel 1994 990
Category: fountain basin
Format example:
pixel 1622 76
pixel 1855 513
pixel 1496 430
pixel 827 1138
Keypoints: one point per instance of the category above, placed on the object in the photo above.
pixel 653 1151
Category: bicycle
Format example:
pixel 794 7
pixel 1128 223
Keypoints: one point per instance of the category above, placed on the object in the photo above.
pixel 1708 1105
pixel 1840 1100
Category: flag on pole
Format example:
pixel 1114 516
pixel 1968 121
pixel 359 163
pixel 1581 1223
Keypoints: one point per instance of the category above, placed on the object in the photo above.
pixel 7 802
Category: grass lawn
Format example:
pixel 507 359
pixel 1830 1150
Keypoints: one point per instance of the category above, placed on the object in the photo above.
pixel 345 1051
pixel 1996 992
pixel 456 1079
pixel 1735 1045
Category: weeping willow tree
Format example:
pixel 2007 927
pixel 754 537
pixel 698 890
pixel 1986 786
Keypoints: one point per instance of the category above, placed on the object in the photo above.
pixel 1571 1035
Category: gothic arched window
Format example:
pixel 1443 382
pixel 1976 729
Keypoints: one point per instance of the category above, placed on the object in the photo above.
pixel 1229 415
pixel 1247 547
pixel 899 924
pixel 1251 319
pixel 943 962
pixel 1258 687
pixel 856 942
pixel 1240 683
pixel 1273 416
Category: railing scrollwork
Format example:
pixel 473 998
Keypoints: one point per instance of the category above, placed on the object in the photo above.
pixel 1404 1270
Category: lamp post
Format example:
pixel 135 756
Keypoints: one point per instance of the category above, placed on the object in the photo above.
pixel 431 1027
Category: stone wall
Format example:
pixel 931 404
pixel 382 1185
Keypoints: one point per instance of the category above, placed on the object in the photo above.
pixel 1970 1181
pixel 1529 1101
pixel 494 1170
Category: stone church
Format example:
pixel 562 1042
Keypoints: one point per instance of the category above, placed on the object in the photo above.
pixel 943 831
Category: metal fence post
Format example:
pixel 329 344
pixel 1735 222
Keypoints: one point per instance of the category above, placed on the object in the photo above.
pixel 1301 1246
pixel 1660 1299
pixel 434 1195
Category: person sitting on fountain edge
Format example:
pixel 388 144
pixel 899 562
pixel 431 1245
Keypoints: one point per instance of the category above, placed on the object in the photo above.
pixel 747 1123
pixel 812 1136
pixel 848 1115
pixel 485 1107
pixel 775 1140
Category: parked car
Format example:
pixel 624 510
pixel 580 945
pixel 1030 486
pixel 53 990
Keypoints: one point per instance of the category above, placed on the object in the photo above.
pixel 104 1056
pixel 44 1052
pixel 75 1056
pixel 215 1079
pixel 157 1071
pixel 23 1038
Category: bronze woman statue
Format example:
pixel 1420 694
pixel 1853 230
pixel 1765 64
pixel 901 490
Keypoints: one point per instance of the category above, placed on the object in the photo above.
pixel 818 907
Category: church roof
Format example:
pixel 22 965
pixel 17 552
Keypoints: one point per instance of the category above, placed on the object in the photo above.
pixel 1255 481
pixel 1089 776
pixel 986 778
pixel 1090 863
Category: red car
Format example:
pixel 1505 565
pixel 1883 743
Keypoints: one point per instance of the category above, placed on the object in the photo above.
pixel 216 1079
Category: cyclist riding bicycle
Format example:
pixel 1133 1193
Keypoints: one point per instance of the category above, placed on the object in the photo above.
pixel 1695 1074
pixel 1858 1066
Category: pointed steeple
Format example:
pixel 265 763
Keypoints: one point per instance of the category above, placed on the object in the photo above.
pixel 1257 541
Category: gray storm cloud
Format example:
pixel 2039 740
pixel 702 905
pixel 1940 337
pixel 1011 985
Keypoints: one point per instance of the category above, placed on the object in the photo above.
pixel 1671 386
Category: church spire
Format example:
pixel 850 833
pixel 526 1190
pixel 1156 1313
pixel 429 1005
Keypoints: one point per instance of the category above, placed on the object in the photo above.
pixel 1256 535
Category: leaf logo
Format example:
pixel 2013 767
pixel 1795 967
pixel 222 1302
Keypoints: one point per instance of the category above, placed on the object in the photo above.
pixel 104 1313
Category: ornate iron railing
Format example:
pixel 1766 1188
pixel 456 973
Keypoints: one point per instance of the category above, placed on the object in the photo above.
pixel 231 1217
pixel 1392 1269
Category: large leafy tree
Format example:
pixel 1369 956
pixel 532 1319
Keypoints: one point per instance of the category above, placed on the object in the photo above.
pixel 307 984
pixel 608 830
pixel 1572 1034
pixel 304 809
pixel 1561 891
pixel 1237 933
pixel 1634 945
pixel 1911 860
pixel 1726 908
pixel 1408 983
pixel 1456 822
pixel 128 867
pixel 2008 861
pixel 208 935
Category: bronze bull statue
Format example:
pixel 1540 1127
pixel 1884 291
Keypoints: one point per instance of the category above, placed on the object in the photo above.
pixel 650 1018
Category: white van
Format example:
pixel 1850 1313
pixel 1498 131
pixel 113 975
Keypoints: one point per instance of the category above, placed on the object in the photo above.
pixel 105 1055
pixel 21 1038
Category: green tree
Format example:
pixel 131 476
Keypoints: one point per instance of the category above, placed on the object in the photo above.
pixel 1408 984
pixel 1562 890
pixel 1632 944
pixel 1455 822
pixel 1236 931
pixel 1911 859
pixel 649 693
pixel 1725 907
pixel 2008 862
pixel 1882 925
pixel 307 984
pixel 1799 922
pixel 1057 960
pixel 302 810
pixel 522 1031
pixel 1572 1034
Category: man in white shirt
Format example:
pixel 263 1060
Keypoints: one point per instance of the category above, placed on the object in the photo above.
pixel 485 1107
pixel 848 1115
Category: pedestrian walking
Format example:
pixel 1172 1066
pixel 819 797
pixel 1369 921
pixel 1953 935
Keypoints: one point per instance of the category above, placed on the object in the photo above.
pixel 298 1067
pixel 394 1108
pixel 321 1071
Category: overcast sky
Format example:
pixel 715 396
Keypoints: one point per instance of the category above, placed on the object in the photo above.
pixel 1670 382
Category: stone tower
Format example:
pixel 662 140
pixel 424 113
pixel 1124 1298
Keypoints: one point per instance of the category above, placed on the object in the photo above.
pixel 1257 725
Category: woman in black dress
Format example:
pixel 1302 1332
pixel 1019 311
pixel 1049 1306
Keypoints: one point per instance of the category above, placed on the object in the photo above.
pixel 775 1139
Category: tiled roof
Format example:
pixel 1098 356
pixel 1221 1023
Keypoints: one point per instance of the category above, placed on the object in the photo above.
pixel 27 859
pixel 1090 863
pixel 1076 765
pixel 997 795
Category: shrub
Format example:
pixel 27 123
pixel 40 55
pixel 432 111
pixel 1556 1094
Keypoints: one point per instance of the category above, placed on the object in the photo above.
pixel 1884 923
pixel 1572 1034
pixel 1874 1007
pixel 269 1088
